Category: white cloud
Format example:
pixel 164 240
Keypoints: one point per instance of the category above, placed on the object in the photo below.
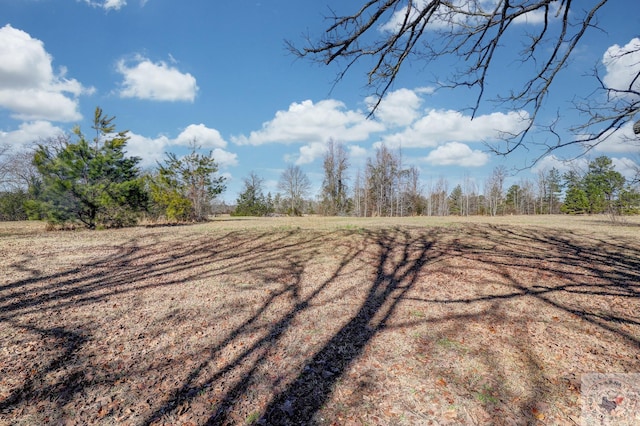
pixel 398 108
pixel 309 153
pixel 28 133
pixel 552 162
pixel 144 79
pixel 626 167
pixel 440 126
pixel 398 17
pixel 202 135
pixel 29 88
pixel 357 152
pixel 622 65
pixel 462 13
pixel 108 4
pixel 540 15
pixel 306 122
pixel 225 158
pixel 114 4
pixel 621 141
pixel 111 4
pixel 459 154
pixel 152 150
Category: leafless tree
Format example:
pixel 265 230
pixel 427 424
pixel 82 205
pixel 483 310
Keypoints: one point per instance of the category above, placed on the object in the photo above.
pixel 358 195
pixel 4 164
pixel 469 189
pixel 334 185
pixel 438 195
pixel 494 189
pixel 474 35
pixel 295 184
pixel 17 171
pixel 413 192
pixel 382 178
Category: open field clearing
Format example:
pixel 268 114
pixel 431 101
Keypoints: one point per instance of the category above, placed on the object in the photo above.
pixel 316 321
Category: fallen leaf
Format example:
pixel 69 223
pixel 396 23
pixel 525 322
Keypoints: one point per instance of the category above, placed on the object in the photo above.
pixel 102 411
pixel 537 414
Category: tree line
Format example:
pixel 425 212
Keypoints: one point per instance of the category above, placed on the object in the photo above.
pixel 387 187
pixel 77 180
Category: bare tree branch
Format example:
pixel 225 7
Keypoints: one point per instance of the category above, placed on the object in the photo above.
pixel 475 32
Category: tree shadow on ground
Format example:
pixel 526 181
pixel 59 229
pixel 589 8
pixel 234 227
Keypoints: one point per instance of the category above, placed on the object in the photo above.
pixel 396 273
pixel 133 267
pixel 298 311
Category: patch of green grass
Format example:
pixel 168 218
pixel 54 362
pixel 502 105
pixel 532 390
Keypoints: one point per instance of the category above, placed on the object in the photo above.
pixel 287 228
pixel 486 395
pixel 447 343
pixel 351 227
pixel 252 418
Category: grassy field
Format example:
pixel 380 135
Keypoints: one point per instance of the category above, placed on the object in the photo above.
pixel 316 321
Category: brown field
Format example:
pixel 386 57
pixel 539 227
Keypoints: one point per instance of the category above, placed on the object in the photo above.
pixel 316 321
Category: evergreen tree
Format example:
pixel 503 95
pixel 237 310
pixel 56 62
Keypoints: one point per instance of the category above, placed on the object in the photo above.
pixel 513 200
pixel 575 198
pixel 12 205
pixel 602 185
pixel 629 201
pixel 456 201
pixel 251 201
pixel 91 182
pixel 575 201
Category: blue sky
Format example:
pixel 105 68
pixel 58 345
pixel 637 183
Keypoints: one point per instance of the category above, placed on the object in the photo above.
pixel 219 72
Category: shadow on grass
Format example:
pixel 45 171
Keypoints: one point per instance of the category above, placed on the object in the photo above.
pixel 391 267
pixel 394 277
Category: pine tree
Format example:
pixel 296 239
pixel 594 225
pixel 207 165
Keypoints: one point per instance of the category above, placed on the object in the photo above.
pixel 91 182
pixel 602 185
pixel 251 201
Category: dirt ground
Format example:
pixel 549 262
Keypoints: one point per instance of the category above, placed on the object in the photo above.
pixel 324 321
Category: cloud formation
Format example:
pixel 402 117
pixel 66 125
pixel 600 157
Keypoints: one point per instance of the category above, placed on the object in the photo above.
pixel 399 121
pixel 626 166
pixel 202 136
pixel 108 4
pixel 461 13
pixel 306 122
pixel 622 65
pixel 28 133
pixel 152 150
pixel 397 108
pixel 623 140
pixel 309 153
pixel 29 88
pixel 442 126
pixel 458 154
pixel 144 79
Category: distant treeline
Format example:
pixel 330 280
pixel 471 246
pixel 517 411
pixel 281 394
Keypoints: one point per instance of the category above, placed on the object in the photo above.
pixel 70 179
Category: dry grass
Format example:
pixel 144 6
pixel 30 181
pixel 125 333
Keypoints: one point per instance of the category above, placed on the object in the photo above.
pixel 316 321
